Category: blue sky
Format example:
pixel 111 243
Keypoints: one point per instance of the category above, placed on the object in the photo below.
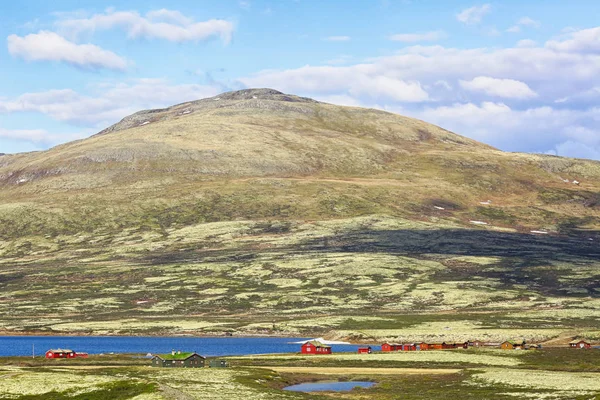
pixel 521 76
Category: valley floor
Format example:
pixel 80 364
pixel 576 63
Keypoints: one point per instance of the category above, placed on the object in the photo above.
pixel 365 279
pixel 557 373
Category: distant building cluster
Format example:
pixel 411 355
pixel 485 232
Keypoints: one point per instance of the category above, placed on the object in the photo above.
pixel 386 347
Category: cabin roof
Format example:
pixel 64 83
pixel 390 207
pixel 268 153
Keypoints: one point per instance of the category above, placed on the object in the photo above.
pixel 177 356
pixel 60 351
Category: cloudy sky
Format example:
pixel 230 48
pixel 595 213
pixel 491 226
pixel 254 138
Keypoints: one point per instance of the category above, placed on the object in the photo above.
pixel 519 75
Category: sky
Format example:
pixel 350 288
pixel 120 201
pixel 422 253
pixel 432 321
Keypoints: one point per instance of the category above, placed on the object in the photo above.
pixel 518 75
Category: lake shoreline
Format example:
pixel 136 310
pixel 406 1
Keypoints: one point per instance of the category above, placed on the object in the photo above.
pixel 23 345
pixel 4 334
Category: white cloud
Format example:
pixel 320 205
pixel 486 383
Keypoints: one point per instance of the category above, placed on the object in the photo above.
pixel 526 21
pixel 37 136
pixel 169 17
pixel 511 129
pixel 473 15
pixel 591 95
pixel 419 67
pixel 33 135
pixel 49 46
pixel 244 4
pixel 341 100
pixel 355 81
pixel 158 24
pixel 421 81
pixel 110 103
pixel 506 88
pixel 418 37
pixel 341 60
pixel 577 150
pixel 443 84
pixel 582 41
pixel 337 38
pixel 526 43
pixel 582 134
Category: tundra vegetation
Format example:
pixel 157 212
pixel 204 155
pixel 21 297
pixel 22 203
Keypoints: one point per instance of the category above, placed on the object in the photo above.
pixel 262 213
pixel 552 373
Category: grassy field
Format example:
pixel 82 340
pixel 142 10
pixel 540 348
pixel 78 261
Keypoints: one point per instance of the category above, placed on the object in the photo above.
pixel 544 374
pixel 365 278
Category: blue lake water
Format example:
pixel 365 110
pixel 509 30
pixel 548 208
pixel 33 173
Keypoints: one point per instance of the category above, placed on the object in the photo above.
pixel 328 386
pixel 206 346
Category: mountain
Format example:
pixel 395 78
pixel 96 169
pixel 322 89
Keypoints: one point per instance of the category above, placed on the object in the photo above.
pixel 259 199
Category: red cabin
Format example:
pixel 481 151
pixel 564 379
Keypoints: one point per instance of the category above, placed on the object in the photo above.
pixel 390 347
pixel 365 350
pixel 409 347
pixel 60 353
pixel 580 344
pixel 315 347
pixel 64 353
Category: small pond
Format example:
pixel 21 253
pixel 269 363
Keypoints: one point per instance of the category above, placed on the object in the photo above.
pixel 328 386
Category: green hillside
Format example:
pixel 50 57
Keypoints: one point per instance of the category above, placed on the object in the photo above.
pixel 260 212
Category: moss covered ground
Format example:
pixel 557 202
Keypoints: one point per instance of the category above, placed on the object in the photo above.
pixel 365 278
pixel 466 374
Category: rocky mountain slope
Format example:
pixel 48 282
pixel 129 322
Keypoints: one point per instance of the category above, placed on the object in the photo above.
pixel 258 199
pixel 320 161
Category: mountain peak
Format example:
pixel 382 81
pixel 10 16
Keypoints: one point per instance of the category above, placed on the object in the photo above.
pixel 245 98
pixel 261 94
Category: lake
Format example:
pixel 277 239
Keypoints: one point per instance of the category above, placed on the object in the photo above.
pixel 328 386
pixel 206 346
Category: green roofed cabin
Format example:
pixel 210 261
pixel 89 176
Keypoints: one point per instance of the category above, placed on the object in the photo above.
pixel 178 360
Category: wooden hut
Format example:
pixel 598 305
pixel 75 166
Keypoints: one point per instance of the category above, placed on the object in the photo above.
pixel 365 350
pixel 512 345
pixel 178 360
pixel 580 344
pixel 60 353
pixel 315 347
pixel 390 347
